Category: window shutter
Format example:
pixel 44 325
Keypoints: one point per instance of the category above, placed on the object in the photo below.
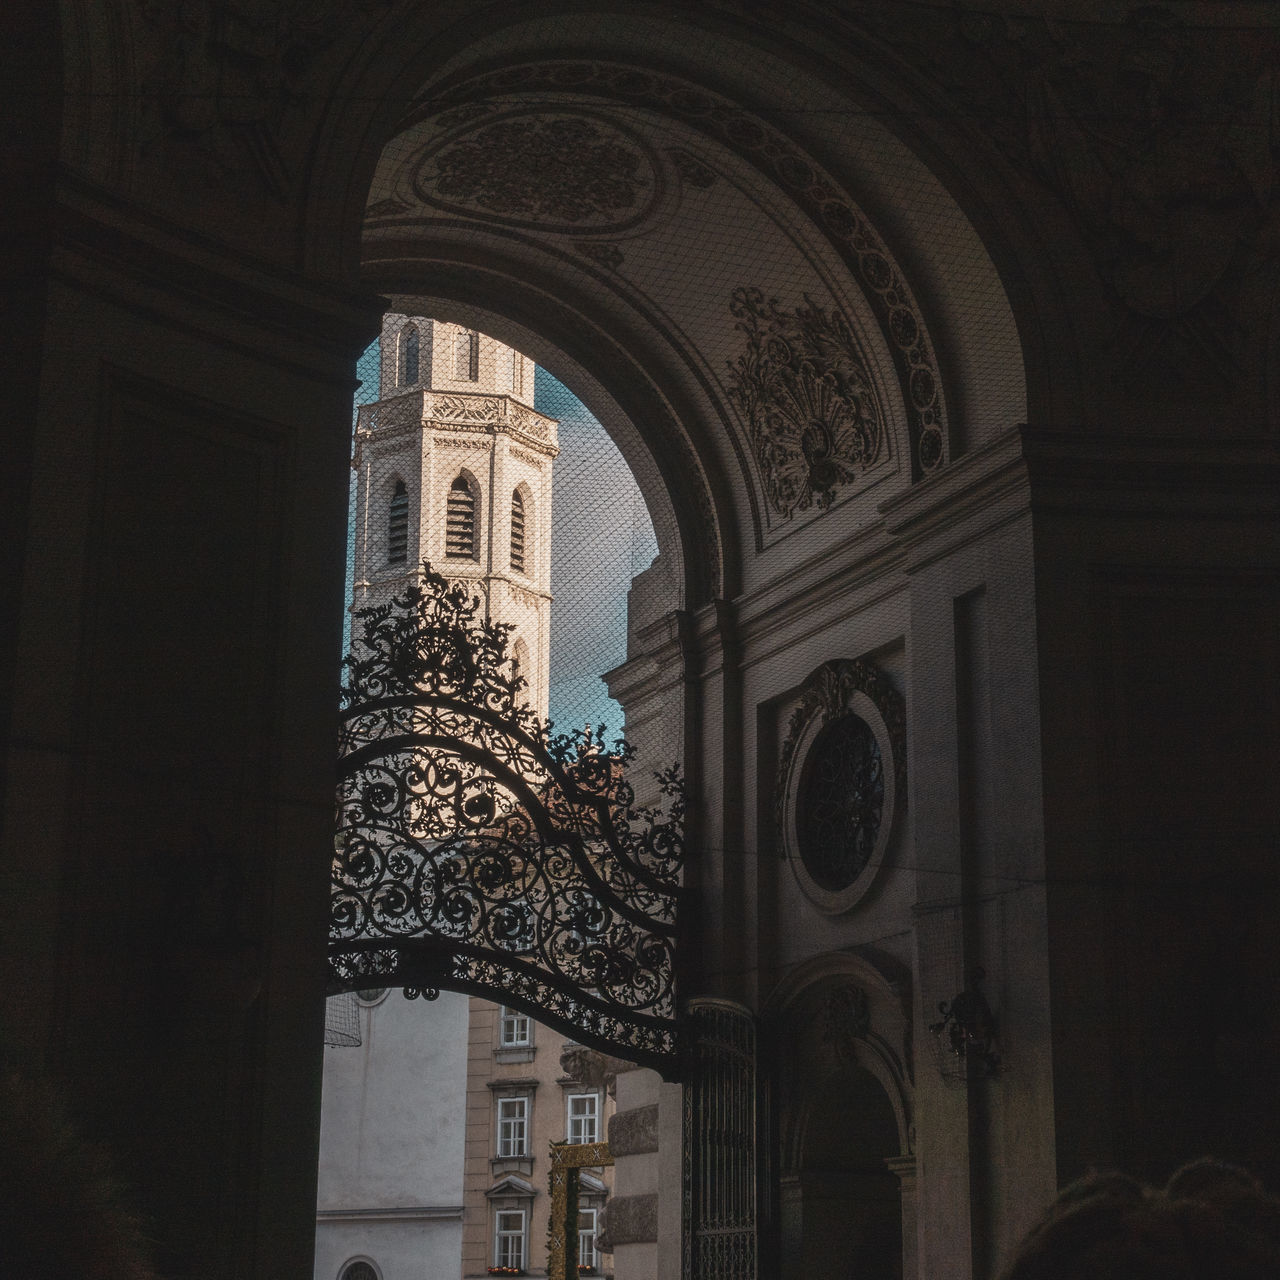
pixel 398 525
pixel 517 532
pixel 460 521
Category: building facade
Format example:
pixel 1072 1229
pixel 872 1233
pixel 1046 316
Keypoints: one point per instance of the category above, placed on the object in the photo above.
pixel 453 466
pixel 941 341
pixel 528 1087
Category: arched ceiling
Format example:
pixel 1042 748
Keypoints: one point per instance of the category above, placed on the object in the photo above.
pixel 807 364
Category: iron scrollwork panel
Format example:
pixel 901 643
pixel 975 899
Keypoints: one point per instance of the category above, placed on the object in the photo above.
pixel 478 852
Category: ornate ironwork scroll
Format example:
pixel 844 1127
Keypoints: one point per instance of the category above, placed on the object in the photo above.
pixel 477 852
pixel 568 1159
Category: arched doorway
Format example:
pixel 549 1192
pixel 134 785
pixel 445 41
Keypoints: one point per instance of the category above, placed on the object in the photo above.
pixel 840 1210
pixel 735 195
pixel 842 1199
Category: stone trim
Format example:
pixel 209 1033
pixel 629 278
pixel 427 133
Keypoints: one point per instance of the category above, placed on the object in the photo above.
pixel 634 1132
pixel 628 1220
pixel 394 1213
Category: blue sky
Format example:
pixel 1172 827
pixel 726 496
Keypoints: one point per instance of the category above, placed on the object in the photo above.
pixel 601 537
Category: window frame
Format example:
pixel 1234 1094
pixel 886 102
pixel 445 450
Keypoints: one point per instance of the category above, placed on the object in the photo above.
pixel 410 352
pixel 501 1234
pixel 512 1142
pixel 587 1236
pixel 570 1118
pixel 466 356
pixel 514 1016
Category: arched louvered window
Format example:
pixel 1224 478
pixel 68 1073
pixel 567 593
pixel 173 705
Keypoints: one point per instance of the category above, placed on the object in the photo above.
pixel 398 525
pixel 460 521
pixel 466 355
pixel 409 349
pixel 517 531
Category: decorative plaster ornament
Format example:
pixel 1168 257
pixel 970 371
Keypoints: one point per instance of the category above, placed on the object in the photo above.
pixel 806 395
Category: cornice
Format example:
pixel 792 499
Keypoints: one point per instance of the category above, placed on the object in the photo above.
pixel 845 566
pixel 397 1213
pixel 525 1084
pixel 973 485
pixel 655 669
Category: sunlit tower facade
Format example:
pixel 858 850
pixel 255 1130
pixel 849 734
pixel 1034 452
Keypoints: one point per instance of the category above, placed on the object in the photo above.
pixel 454 466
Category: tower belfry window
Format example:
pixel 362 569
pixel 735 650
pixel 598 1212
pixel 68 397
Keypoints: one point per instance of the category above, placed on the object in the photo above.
pixel 409 349
pixel 398 525
pixel 466 355
pixel 517 531
pixel 460 521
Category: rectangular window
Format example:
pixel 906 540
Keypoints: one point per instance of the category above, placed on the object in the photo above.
pixel 587 1242
pixel 515 1029
pixel 584 1117
pixel 466 361
pixel 508 1244
pixel 513 1126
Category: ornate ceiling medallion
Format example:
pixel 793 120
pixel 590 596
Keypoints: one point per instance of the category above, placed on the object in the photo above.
pixel 841 778
pixel 553 170
pixel 806 395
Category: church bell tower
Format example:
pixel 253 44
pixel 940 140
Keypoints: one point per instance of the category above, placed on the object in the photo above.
pixel 454 466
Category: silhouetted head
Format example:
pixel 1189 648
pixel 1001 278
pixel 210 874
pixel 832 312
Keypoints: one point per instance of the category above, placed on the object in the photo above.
pixel 1107 1226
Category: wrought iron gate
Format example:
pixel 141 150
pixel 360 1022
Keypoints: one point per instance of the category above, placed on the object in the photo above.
pixel 477 852
pixel 721 1143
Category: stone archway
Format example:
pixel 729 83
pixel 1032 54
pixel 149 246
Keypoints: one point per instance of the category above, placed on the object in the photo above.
pixel 270 211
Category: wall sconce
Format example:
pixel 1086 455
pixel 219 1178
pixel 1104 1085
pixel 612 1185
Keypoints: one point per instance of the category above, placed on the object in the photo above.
pixel 970 1027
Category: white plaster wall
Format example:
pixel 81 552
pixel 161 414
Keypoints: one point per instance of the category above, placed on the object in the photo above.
pixel 391 1137
pixel 399 1250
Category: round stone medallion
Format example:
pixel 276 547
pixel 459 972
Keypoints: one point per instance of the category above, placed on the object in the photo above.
pixel 840 803
pixel 841 777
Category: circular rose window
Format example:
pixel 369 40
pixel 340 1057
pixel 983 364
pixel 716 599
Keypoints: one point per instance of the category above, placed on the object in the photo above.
pixel 841 774
pixel 840 803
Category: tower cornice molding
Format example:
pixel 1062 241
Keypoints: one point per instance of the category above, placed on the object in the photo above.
pixel 459 412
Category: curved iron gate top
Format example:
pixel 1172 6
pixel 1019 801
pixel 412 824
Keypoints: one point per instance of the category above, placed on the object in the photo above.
pixel 477 852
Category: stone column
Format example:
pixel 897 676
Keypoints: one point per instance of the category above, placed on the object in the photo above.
pixel 904 1169
pixel 171 801
pixel 791 1226
pixel 630 1226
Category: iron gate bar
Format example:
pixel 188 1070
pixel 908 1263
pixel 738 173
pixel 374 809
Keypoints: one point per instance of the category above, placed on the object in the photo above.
pixel 479 853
